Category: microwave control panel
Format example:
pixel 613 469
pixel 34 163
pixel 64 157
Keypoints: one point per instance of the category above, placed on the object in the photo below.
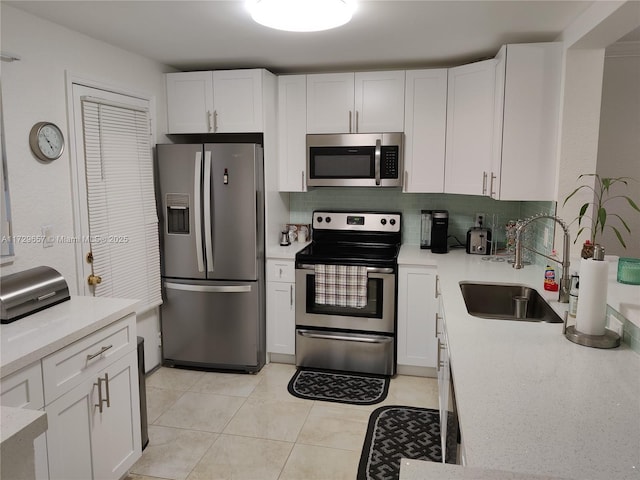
pixel 389 162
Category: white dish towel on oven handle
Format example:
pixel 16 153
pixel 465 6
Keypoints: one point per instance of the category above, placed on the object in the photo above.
pixel 341 285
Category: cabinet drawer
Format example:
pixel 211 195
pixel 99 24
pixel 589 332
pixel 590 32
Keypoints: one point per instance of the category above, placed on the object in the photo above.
pixel 23 389
pixel 281 271
pixel 70 365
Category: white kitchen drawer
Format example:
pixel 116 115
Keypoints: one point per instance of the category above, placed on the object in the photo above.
pixel 281 271
pixel 70 365
pixel 23 389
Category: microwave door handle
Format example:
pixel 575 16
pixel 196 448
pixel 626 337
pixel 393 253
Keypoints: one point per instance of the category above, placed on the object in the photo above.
pixel 377 160
pixel 197 202
pixel 207 210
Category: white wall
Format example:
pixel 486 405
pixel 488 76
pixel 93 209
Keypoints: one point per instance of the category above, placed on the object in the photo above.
pixel 585 41
pixel 34 89
pixel 619 144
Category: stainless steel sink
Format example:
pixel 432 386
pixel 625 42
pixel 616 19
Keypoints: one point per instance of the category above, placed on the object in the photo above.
pixel 507 301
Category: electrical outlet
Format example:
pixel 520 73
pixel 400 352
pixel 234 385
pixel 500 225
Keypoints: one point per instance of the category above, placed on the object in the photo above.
pixel 615 325
pixel 479 219
pixel 47 234
pixel 546 237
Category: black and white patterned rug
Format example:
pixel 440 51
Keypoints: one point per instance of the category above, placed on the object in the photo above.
pixel 353 388
pixel 395 432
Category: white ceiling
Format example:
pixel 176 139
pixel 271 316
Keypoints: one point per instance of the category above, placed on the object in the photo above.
pixel 195 35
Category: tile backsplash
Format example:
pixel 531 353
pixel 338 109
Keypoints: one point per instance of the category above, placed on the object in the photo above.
pixel 462 210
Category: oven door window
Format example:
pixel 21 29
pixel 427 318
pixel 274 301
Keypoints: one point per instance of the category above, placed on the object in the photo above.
pixel 373 308
pixel 342 162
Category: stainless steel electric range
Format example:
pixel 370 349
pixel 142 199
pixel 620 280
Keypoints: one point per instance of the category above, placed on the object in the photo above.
pixel 346 292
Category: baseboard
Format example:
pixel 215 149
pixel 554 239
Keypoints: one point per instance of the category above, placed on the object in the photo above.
pixel 281 358
pixel 417 371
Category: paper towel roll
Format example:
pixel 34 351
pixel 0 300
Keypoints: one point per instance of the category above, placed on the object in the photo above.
pixel 591 317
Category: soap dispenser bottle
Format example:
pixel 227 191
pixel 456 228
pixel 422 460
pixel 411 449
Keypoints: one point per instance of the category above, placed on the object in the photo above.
pixel 550 282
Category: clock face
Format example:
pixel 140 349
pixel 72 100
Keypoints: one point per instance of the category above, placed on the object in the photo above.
pixel 47 141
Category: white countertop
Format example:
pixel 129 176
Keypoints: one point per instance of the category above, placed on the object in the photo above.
pixel 528 399
pixel 31 338
pixel 21 424
pixel 421 470
pixel 285 253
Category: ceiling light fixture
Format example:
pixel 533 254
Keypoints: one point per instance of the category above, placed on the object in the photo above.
pixel 301 15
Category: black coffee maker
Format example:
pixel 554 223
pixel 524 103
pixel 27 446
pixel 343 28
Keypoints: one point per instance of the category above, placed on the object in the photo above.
pixel 439 231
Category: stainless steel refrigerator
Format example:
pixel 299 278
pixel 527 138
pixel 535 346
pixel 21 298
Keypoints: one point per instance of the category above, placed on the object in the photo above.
pixel 212 218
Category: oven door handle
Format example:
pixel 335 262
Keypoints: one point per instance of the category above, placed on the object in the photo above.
pixel 306 266
pixel 346 338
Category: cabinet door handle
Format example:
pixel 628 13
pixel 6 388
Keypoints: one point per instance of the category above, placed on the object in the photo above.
pixel 99 404
pixel 438 317
pixel 438 361
pixel 106 384
pixel 357 120
pixel 215 121
pixel 484 183
pixel 209 120
pixel 302 180
pixel 291 295
pixel 97 354
pixel 491 192
pixel 101 400
pixel 437 294
pixel 350 130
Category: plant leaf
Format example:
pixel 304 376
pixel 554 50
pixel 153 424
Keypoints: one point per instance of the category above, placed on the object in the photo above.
pixel 583 210
pixel 602 219
pixel 619 237
pixel 632 203
pixel 572 194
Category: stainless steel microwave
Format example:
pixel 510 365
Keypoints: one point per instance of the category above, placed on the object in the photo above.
pixel 355 160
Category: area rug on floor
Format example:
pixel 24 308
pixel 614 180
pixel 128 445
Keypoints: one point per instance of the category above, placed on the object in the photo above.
pixel 353 388
pixel 395 432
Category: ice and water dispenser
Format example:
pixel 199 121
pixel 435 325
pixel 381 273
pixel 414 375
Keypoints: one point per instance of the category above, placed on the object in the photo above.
pixel 177 213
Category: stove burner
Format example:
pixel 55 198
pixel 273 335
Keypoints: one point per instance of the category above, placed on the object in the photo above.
pixel 360 238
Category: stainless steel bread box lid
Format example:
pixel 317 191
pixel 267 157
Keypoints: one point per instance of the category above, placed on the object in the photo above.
pixel 30 291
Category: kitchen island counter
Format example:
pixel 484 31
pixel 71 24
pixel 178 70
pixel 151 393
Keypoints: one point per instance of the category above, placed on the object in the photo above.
pixel 529 400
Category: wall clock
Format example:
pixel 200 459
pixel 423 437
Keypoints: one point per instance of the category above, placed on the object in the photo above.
pixel 46 141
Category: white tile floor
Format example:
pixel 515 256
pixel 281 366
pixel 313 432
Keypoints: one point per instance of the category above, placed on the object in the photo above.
pixel 209 426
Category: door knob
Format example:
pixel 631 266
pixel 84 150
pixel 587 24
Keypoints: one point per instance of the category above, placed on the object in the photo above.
pixel 94 280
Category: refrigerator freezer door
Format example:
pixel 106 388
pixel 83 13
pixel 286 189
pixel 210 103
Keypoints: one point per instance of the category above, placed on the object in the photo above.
pixel 180 170
pixel 233 209
pixel 213 324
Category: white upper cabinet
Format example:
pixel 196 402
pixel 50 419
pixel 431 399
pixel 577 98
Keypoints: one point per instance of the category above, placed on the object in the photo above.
pixel 225 101
pixel 470 128
pixel 237 101
pixel 330 107
pixel 529 127
pixel 425 122
pixel 363 102
pixel 189 102
pixel 292 129
pixel 379 101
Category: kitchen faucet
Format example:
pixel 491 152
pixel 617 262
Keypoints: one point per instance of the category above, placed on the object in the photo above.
pixel 565 282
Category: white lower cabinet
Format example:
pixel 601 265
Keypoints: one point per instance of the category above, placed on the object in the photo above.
pixel 93 429
pixel 417 307
pixel 89 391
pixel 281 311
pixel 444 377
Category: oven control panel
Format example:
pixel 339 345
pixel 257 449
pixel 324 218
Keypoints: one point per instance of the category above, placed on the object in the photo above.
pixel 357 221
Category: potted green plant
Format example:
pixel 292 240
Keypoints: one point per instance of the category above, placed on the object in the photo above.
pixel 601 196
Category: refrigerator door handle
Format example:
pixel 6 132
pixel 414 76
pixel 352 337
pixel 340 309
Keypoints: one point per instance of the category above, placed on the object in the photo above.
pixel 197 194
pixel 208 288
pixel 207 210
